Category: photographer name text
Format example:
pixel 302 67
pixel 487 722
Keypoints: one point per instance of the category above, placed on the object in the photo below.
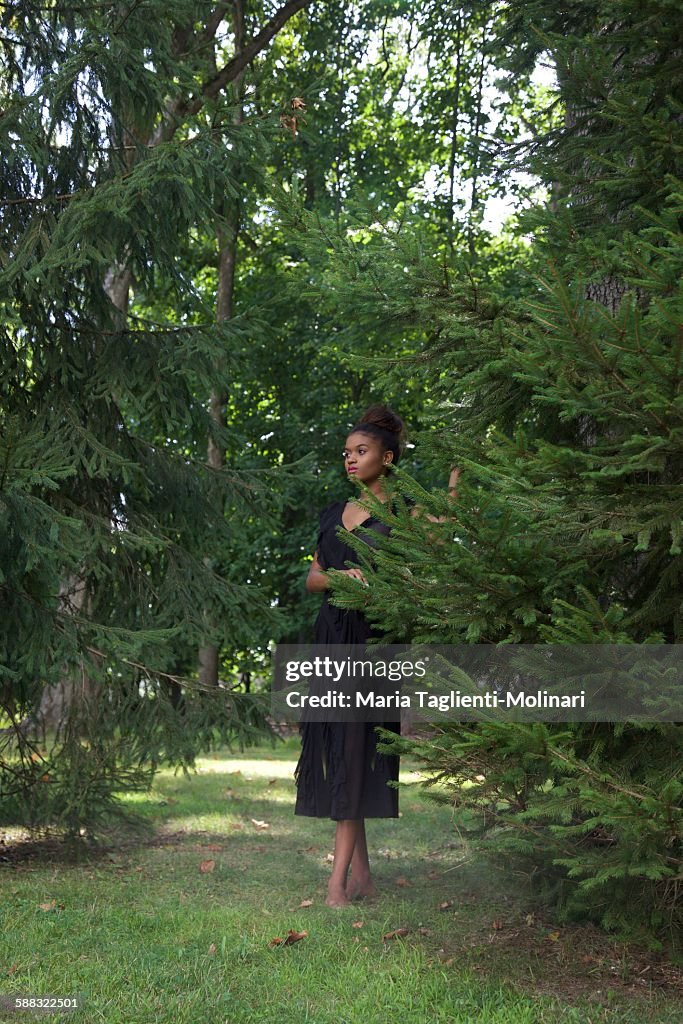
pixel 440 702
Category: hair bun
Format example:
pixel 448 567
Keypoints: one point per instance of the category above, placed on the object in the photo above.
pixel 384 417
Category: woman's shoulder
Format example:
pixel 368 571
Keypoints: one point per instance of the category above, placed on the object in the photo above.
pixel 330 511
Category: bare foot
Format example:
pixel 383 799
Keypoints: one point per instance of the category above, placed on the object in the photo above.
pixel 359 889
pixel 336 897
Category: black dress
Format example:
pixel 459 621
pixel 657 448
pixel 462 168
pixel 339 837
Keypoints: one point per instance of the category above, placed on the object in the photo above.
pixel 340 773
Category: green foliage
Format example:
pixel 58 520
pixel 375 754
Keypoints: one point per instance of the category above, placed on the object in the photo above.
pixel 112 525
pixel 555 386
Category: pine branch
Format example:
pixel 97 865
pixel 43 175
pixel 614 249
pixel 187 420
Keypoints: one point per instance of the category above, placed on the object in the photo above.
pixel 179 109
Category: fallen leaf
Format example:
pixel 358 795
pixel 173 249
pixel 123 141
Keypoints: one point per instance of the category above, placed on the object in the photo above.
pixel 259 824
pixel 553 936
pixel 497 925
pixel 298 103
pixel 290 938
pixel 424 931
pixel 445 905
pixel 399 933
pixel 530 919
pixel 13 969
pixel 330 857
pixel 311 849
pixel 357 924
pixel 229 793
pixel 403 882
pixel 206 866
pixel 306 903
pixel 432 874
pixel 212 949
pixel 52 905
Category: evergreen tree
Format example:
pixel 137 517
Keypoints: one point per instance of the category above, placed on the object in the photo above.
pixel 556 388
pixel 114 131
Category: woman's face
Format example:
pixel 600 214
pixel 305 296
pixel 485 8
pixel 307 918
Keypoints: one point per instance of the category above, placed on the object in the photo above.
pixel 365 458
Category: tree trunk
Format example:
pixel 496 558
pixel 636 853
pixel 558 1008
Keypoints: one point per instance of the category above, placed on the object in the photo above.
pixel 227 233
pixel 450 213
pixel 58 701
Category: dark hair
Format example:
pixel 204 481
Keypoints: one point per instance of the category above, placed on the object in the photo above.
pixel 383 423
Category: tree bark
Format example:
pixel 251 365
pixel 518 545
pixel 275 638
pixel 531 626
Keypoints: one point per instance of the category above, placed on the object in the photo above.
pixel 450 213
pixel 227 234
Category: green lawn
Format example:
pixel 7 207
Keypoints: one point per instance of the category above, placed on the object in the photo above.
pixel 142 934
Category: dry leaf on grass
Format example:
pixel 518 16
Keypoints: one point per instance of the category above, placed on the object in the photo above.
pixel 424 931
pixel 306 903
pixel 212 949
pixel 398 933
pixel 404 883
pixel 259 824
pixel 290 938
pixel 52 905
pixel 330 857
pixel 13 969
pixel 357 924
pixel 497 925
pixel 445 905
pixel 206 866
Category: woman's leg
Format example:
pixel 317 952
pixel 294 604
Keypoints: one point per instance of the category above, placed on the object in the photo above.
pixel 361 883
pixel 344 845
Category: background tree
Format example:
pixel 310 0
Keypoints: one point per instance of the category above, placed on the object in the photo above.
pixel 555 383
pixel 115 128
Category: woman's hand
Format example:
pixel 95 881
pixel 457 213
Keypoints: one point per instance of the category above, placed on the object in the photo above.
pixel 319 579
pixel 355 574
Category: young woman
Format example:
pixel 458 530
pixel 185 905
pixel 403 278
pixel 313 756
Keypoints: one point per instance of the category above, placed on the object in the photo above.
pixel 340 774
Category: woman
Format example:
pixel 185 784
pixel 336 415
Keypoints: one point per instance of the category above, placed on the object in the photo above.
pixel 340 773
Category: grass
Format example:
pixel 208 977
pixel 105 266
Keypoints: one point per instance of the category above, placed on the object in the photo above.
pixel 144 935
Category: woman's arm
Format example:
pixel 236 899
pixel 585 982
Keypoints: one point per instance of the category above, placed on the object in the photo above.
pixel 318 580
pixel 452 494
